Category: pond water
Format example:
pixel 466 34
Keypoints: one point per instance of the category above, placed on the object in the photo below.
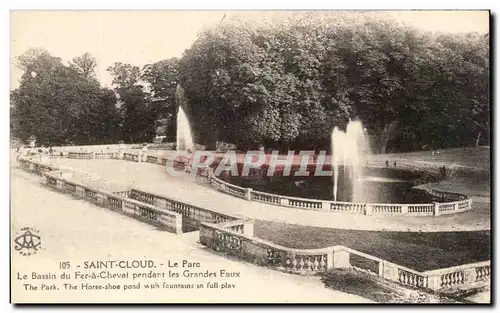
pixel 377 185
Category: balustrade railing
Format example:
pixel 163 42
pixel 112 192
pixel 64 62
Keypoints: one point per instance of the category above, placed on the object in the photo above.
pixel 80 155
pixel 231 234
pixel 192 215
pixel 142 196
pixel 426 209
pixel 347 207
pixel 124 193
pixel 305 203
pixel 387 208
pixel 105 155
pixel 265 197
pixel 411 278
pixel 152 159
pixel 69 187
pixel 457 276
pixel 420 209
pixel 131 157
pixel 230 239
pixel 115 203
pixel 235 190
pixel 150 213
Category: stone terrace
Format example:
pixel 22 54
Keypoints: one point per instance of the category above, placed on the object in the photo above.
pixel 155 179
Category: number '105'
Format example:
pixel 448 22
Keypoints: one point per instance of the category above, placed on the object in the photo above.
pixel 64 265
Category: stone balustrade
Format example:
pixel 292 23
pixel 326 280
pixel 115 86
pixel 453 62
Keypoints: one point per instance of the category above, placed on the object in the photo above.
pixel 421 209
pixel 152 159
pixel 80 155
pixel 36 166
pixel 234 235
pixel 132 157
pixel 124 193
pixel 477 274
pixel 427 209
pixel 96 148
pixel 162 146
pixel 460 203
pixel 222 238
pixel 265 197
pixel 106 155
pixel 164 219
pixel 346 207
pixel 192 215
pixel 236 238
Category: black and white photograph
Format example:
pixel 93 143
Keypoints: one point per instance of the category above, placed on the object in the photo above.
pixel 224 156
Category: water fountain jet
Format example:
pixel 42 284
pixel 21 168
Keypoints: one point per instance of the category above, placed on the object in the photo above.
pixel 349 150
pixel 184 138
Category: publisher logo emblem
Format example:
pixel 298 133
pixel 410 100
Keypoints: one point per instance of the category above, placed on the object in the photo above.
pixel 27 241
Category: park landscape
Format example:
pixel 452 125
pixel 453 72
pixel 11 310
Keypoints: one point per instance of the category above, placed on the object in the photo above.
pixel 362 92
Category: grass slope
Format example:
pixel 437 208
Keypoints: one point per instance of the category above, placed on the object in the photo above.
pixel 419 251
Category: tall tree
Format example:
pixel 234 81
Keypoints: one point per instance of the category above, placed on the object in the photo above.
pixel 162 79
pixel 138 119
pixel 85 65
pixel 60 104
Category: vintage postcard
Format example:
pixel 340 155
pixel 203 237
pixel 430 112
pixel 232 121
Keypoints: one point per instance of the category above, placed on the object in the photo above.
pixel 250 157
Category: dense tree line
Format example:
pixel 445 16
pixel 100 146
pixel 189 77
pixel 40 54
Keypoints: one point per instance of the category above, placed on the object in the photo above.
pixel 283 85
pixel 290 84
pixel 62 104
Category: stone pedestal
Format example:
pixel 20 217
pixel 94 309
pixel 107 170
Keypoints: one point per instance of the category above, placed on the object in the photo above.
pixel 248 194
pixel 59 184
pixel 80 193
pixel 325 206
pixel 434 282
pixel 436 209
pixel 248 228
pixel 388 271
pixel 341 258
pixel 368 209
pixel 101 199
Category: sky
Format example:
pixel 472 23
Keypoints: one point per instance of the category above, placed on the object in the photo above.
pixel 143 37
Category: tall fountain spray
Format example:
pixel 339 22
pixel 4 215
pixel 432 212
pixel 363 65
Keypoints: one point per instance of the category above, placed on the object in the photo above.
pixel 184 137
pixel 349 151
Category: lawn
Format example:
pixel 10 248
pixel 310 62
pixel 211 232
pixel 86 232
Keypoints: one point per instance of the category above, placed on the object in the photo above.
pixel 416 250
pixel 469 157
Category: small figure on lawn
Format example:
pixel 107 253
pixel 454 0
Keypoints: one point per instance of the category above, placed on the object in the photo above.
pixel 443 171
